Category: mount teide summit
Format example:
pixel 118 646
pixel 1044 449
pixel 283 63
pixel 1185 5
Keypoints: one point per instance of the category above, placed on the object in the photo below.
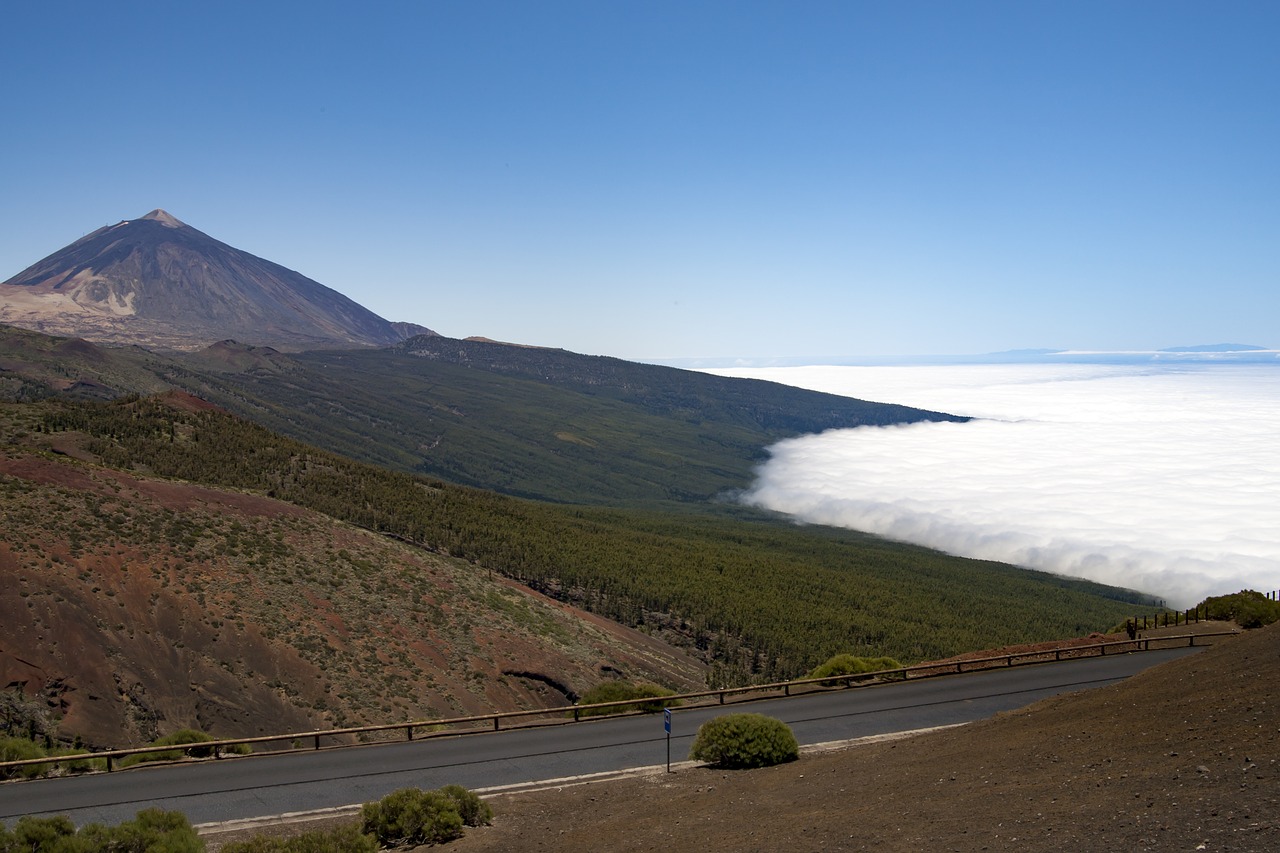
pixel 158 282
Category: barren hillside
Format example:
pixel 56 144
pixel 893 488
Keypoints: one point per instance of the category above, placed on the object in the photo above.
pixel 131 607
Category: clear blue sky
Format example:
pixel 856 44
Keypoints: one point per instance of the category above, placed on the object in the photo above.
pixel 652 179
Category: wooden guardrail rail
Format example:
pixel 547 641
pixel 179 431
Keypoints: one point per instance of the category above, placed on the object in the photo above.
pixel 906 673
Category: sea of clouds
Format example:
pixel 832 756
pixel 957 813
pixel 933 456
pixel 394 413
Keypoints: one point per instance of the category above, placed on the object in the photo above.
pixel 1164 479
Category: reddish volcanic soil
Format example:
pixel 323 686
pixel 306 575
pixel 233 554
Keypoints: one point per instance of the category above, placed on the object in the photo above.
pixel 132 607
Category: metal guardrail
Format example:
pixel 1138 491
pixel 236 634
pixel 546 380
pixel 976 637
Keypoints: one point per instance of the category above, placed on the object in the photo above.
pixel 906 673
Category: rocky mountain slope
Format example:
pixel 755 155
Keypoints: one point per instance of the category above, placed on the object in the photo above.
pixel 159 283
pixel 131 607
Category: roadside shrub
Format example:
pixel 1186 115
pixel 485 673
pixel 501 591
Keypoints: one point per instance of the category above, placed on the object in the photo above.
pixel 744 741
pixel 80 765
pixel 848 664
pixel 344 839
pixel 36 834
pixel 1248 608
pixel 412 816
pixel 21 749
pixel 152 831
pixel 473 810
pixel 185 736
pixel 182 737
pixel 616 690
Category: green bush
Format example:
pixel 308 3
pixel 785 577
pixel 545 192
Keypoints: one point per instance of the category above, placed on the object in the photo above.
pixel 152 831
pixel 182 737
pixel 21 749
pixel 186 736
pixel 617 691
pixel 473 810
pixel 36 834
pixel 80 765
pixel 744 740
pixel 847 664
pixel 1248 608
pixel 344 839
pixel 412 816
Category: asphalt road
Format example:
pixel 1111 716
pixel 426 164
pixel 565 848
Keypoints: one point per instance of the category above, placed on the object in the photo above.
pixel 239 788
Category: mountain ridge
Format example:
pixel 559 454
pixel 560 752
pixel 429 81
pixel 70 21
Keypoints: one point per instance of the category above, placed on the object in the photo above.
pixel 1217 348
pixel 162 283
pixel 533 422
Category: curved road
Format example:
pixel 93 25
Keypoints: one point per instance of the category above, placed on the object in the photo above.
pixel 235 789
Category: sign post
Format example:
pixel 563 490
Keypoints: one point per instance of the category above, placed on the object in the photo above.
pixel 666 724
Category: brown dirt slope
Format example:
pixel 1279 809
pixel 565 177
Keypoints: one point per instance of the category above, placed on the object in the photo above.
pixel 1181 757
pixel 132 607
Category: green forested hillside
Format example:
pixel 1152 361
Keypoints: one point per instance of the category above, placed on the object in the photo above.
pixel 36 367
pixel 530 422
pixel 539 423
pixel 761 598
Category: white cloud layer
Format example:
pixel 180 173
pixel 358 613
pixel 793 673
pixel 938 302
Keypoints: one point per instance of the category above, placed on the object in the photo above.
pixel 1158 479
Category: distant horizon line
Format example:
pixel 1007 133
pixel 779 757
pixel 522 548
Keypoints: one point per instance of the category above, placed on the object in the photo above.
pixel 1236 354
